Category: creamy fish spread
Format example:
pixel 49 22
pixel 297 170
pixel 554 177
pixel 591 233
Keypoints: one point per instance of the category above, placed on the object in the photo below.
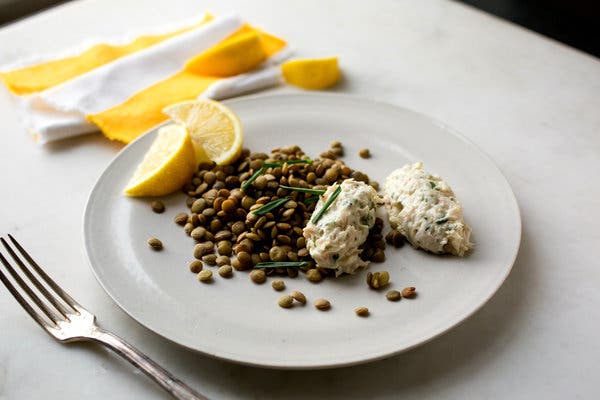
pixel 425 210
pixel 334 240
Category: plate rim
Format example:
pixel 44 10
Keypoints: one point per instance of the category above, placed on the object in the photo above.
pixel 314 365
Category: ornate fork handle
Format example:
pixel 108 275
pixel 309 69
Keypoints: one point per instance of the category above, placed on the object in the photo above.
pixel 172 385
pixel 67 321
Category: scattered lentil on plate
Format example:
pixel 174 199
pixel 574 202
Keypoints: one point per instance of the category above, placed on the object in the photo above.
pixel 225 271
pixel 205 276
pixel 155 244
pixel 157 206
pixel 180 219
pixel 298 296
pixel 393 295
pixel 278 285
pixel 195 266
pixel 364 153
pixel 322 304
pixel 285 301
pixel 409 292
pixel 362 311
pixel 378 280
pixel 258 276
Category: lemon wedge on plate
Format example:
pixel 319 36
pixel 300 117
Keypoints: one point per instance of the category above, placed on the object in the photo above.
pixel 167 166
pixel 314 73
pixel 215 130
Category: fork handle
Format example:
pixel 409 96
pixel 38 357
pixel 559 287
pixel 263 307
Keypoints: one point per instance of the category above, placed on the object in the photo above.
pixel 158 374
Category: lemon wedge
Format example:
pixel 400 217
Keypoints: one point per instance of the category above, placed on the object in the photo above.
pixel 167 166
pixel 315 73
pixel 215 130
pixel 233 56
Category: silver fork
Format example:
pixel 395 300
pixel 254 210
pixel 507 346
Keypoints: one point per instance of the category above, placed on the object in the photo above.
pixel 67 321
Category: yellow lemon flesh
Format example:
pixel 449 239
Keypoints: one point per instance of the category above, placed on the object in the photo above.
pixel 215 130
pixel 316 73
pixel 233 56
pixel 167 166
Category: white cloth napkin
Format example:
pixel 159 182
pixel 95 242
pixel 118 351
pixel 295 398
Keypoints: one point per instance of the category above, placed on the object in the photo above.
pixel 59 112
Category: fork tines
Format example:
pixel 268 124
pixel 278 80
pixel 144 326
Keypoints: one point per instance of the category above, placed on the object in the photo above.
pixel 56 307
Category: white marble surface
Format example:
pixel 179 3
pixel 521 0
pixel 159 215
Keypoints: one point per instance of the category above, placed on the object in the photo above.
pixel 530 103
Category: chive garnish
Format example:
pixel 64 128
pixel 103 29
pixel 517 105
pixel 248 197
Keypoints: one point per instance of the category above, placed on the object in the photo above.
pixel 441 220
pixel 290 162
pixel 302 161
pixel 303 190
pixel 281 264
pixel 270 206
pixel 272 165
pixel 330 200
pixel 253 178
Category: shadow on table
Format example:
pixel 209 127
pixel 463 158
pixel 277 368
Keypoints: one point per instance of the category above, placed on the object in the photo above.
pixel 462 353
pixel 88 139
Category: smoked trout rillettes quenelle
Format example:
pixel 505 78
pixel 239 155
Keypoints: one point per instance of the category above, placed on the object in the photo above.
pixel 425 210
pixel 333 240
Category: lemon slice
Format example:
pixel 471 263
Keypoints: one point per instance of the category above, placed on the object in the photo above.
pixel 233 56
pixel 215 130
pixel 167 166
pixel 315 73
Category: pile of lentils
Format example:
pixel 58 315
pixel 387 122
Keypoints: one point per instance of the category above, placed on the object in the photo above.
pixel 229 234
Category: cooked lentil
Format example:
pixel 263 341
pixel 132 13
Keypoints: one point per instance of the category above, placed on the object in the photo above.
pixel 298 296
pixel 409 292
pixel 378 280
pixel 364 153
pixel 195 266
pixel 393 295
pixel 278 285
pixel 395 238
pixel 180 219
pixel 258 276
pixel 285 301
pixel 155 244
pixel 223 201
pixel 209 259
pixel 198 233
pixel 322 304
pixel 314 275
pixel 157 206
pixel 222 260
pixel 225 271
pixel 362 311
pixel 205 276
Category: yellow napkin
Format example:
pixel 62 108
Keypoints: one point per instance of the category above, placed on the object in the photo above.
pixel 122 89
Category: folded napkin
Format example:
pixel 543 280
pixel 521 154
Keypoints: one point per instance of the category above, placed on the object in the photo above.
pixel 121 89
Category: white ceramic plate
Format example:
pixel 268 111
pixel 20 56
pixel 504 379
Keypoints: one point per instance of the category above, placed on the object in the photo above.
pixel 237 320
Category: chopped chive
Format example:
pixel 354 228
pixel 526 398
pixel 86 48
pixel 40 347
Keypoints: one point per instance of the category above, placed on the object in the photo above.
pixel 302 161
pixel 281 264
pixel 253 178
pixel 330 200
pixel 290 162
pixel 441 220
pixel 303 190
pixel 432 184
pixel 271 165
pixel 270 206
